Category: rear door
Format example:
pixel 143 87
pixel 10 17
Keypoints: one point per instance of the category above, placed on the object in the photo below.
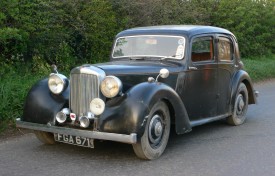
pixel 226 68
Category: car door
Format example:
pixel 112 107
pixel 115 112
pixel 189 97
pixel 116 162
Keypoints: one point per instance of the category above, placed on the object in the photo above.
pixel 226 68
pixel 200 91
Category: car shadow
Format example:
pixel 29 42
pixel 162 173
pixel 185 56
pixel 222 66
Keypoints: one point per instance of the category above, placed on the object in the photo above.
pixel 114 150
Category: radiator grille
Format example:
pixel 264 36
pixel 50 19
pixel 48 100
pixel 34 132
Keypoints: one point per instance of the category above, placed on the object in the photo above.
pixel 83 88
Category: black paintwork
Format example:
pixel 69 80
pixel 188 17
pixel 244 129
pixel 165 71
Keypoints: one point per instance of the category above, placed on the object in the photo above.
pixel 194 97
pixel 132 73
pixel 41 105
pixel 129 115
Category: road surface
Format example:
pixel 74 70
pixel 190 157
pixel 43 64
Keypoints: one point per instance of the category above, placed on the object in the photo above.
pixel 209 150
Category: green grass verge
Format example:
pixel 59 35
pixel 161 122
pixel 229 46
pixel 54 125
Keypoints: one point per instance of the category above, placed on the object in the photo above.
pixel 260 68
pixel 14 86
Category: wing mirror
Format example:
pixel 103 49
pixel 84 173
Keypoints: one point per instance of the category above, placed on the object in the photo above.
pixel 164 73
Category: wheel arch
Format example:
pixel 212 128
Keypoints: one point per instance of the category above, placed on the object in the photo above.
pixel 251 98
pixel 171 110
pixel 136 107
pixel 177 110
pixel 242 77
pixel 41 105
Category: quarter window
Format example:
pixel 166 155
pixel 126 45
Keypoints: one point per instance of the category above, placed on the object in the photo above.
pixel 202 49
pixel 225 49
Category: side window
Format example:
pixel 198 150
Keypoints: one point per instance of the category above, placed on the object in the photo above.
pixel 202 49
pixel 225 49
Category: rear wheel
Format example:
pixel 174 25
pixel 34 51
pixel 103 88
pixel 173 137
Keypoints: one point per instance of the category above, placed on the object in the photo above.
pixel 154 140
pixel 45 137
pixel 240 107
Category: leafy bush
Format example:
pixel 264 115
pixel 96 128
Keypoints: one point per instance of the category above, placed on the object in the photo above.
pixel 13 90
pixel 39 66
pixel 251 21
pixel 81 31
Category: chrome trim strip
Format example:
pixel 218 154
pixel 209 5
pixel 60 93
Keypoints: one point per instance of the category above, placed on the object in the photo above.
pixel 129 139
pixel 89 69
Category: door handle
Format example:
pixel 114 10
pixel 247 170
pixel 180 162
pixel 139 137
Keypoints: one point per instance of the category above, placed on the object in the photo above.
pixel 193 68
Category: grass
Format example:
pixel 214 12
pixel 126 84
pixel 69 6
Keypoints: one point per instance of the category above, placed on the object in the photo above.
pixel 260 68
pixel 14 86
pixel 13 90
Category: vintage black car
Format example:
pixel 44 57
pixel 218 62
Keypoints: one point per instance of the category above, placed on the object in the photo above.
pixel 157 77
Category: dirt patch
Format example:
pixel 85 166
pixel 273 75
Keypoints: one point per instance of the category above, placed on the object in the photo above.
pixel 266 81
pixel 12 132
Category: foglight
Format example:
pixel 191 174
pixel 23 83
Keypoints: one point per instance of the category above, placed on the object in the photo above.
pixel 84 121
pixel 97 106
pixel 61 117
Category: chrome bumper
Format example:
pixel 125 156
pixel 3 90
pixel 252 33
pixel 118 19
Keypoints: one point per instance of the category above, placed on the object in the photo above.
pixel 130 139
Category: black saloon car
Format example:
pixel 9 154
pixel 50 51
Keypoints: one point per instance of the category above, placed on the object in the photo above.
pixel 157 77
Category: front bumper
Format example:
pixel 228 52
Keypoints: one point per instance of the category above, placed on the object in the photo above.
pixel 130 139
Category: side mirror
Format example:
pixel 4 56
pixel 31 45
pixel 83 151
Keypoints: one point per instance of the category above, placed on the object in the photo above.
pixel 164 73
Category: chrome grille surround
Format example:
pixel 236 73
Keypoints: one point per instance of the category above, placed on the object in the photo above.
pixel 84 87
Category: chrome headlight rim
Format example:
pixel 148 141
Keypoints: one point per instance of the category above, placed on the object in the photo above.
pixel 117 86
pixel 57 78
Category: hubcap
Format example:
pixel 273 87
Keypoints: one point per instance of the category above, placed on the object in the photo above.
pixel 155 130
pixel 158 129
pixel 240 104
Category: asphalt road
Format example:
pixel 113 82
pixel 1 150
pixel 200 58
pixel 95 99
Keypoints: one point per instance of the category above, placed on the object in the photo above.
pixel 209 150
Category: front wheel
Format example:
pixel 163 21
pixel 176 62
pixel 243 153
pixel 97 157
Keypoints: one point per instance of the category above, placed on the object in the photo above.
pixel 240 107
pixel 154 140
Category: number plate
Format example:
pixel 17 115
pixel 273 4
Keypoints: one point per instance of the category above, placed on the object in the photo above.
pixel 75 140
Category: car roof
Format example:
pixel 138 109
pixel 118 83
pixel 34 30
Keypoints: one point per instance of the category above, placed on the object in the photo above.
pixel 187 30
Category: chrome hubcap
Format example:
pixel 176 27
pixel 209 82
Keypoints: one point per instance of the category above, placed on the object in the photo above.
pixel 240 104
pixel 156 128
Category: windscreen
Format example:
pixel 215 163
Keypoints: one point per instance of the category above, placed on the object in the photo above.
pixel 150 46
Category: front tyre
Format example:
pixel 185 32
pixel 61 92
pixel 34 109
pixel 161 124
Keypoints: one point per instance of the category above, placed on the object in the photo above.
pixel 154 140
pixel 240 107
pixel 45 137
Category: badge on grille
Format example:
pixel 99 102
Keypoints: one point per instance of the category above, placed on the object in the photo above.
pixel 73 116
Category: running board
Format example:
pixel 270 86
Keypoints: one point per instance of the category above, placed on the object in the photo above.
pixel 208 120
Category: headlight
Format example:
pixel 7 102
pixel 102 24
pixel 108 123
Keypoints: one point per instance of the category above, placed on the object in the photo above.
pixel 57 83
pixel 111 86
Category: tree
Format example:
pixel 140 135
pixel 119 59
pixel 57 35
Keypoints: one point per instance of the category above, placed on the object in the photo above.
pixel 12 38
pixel 252 21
